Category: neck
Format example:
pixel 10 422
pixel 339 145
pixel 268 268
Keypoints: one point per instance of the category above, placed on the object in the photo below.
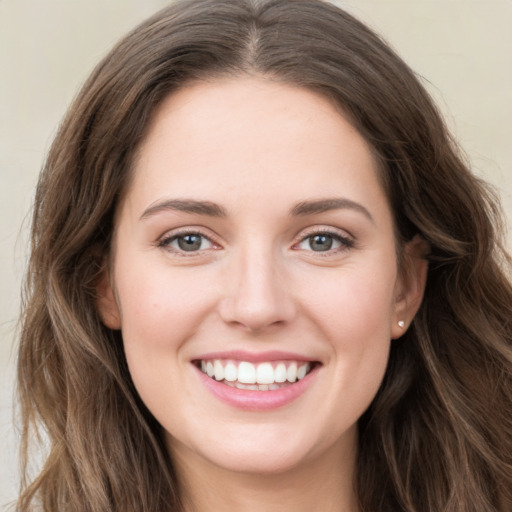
pixel 325 483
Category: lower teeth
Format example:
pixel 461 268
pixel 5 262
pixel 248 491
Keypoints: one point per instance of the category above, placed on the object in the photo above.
pixel 257 387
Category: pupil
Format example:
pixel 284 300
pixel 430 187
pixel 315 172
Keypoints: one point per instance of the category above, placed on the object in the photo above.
pixel 320 242
pixel 189 242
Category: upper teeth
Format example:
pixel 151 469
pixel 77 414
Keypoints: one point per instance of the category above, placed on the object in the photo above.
pixel 249 373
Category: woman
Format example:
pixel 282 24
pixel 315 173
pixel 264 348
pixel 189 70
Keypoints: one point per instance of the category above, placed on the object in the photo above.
pixel 263 279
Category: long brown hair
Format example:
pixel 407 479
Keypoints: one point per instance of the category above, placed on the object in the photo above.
pixel 438 435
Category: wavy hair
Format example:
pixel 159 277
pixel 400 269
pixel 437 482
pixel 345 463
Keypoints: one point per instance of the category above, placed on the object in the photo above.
pixel 438 435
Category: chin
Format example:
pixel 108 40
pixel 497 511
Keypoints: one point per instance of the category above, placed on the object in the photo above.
pixel 262 450
pixel 258 460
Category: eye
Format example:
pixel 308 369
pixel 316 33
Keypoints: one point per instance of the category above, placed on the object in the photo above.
pixel 186 242
pixel 324 242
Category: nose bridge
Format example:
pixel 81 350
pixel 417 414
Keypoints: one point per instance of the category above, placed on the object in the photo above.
pixel 257 295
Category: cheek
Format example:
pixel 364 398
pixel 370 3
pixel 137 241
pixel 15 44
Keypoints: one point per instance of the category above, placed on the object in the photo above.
pixel 155 299
pixel 355 317
pixel 353 305
pixel 160 311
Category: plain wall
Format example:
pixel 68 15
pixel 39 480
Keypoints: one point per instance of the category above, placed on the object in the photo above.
pixel 462 49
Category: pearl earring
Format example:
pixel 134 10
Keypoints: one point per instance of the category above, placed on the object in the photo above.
pixel 401 324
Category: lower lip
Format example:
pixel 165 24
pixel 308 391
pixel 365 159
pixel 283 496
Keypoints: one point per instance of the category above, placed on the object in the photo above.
pixel 258 400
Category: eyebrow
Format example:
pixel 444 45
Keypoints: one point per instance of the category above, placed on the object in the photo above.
pixel 325 205
pixel 214 210
pixel 185 205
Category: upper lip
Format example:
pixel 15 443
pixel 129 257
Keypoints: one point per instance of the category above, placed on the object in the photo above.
pixel 254 357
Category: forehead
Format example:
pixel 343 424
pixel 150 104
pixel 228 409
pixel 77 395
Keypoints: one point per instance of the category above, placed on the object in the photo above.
pixel 250 136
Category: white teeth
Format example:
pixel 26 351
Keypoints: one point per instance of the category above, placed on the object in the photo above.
pixel 230 372
pixel 265 374
pixel 263 377
pixel 301 372
pixel 246 373
pixel 256 387
pixel 252 387
pixel 219 370
pixel 280 373
pixel 291 373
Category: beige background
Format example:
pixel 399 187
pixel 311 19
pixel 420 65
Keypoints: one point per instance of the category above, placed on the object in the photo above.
pixel 462 48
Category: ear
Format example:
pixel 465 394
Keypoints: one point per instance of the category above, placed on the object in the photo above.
pixel 410 285
pixel 106 301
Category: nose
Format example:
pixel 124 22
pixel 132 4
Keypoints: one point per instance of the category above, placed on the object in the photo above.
pixel 257 296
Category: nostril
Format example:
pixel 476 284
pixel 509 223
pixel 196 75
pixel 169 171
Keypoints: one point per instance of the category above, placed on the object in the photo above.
pixel 255 317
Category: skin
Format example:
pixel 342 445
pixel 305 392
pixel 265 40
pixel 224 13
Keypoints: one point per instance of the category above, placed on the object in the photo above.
pixel 257 149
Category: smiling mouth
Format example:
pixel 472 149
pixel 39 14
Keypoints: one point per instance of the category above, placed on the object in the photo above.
pixel 264 376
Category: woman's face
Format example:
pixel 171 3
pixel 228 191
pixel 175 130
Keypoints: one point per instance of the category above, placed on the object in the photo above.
pixel 255 276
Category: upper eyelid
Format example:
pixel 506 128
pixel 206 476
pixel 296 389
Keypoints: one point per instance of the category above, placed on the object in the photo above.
pixel 188 230
pixel 320 229
pixel 169 236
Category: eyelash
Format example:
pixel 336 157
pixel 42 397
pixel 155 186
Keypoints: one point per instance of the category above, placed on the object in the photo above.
pixel 166 240
pixel 345 242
